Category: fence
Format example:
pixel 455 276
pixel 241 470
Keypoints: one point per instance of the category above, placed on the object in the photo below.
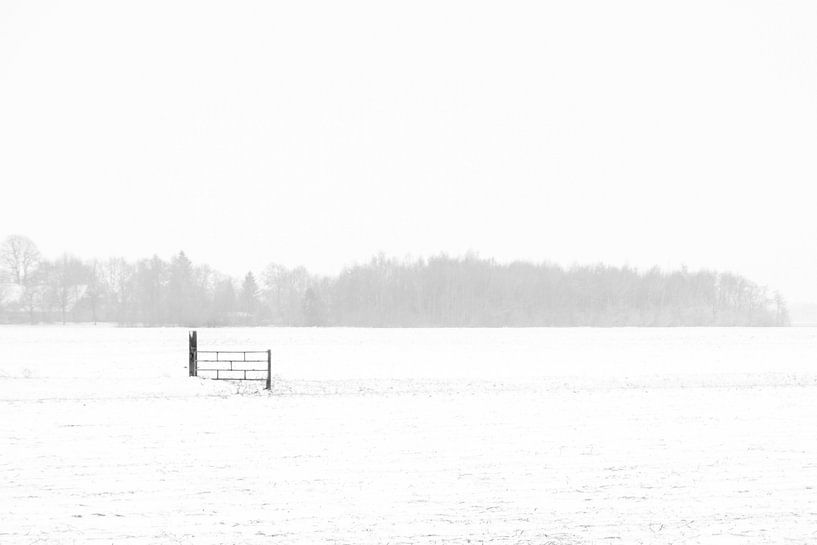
pixel 229 364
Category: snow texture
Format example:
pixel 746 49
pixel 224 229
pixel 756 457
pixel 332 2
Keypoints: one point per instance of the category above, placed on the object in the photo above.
pixel 541 436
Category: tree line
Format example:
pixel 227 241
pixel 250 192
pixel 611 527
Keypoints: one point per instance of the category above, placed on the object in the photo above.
pixel 440 291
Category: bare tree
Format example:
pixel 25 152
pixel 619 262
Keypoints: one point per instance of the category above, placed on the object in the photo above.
pixel 95 287
pixel 248 298
pixel 781 310
pixel 66 283
pixel 117 279
pixel 20 257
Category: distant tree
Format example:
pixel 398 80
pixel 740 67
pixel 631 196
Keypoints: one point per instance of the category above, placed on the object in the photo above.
pixel 34 295
pixel 117 277
pixel 20 257
pixel 65 283
pixel 314 309
pixel 283 293
pixel 205 280
pixel 95 288
pixel 274 292
pixel 180 290
pixel 150 291
pixel 249 296
pixel 781 310
pixel 224 300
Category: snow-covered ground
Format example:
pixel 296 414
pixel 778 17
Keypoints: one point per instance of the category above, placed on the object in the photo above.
pixel 411 436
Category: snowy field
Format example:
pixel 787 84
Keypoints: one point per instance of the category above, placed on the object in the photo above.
pixel 540 436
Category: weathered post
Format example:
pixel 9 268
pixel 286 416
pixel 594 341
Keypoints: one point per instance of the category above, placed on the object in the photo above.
pixel 269 370
pixel 192 348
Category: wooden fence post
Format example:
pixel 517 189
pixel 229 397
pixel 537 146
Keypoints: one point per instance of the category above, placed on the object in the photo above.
pixel 192 346
pixel 269 370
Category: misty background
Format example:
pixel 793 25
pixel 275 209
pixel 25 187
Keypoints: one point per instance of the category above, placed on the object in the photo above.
pixel 440 291
pixel 318 134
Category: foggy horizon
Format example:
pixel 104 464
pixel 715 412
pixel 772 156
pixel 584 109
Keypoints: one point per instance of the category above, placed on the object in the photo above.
pixel 634 133
pixel 438 291
pixel 802 311
pixel 238 269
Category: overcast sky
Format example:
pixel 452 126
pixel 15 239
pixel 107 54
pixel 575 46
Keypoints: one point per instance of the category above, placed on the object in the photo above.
pixel 318 133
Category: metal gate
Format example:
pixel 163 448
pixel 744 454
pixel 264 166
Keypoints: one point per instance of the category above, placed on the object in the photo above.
pixel 229 364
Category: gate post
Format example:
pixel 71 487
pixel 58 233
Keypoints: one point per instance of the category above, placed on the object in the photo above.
pixel 192 349
pixel 269 370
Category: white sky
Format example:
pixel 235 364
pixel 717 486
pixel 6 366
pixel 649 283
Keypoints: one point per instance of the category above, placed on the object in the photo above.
pixel 319 133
